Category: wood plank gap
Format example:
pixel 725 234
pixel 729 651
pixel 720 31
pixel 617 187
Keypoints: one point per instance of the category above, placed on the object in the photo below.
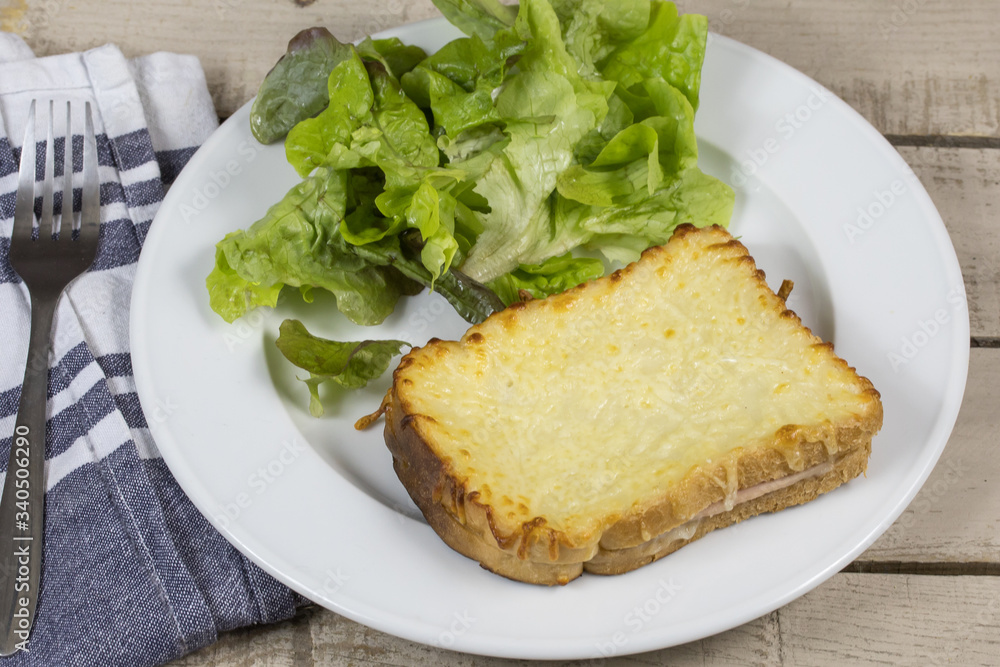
pixel 946 569
pixel 942 141
pixel 986 341
pixel 302 643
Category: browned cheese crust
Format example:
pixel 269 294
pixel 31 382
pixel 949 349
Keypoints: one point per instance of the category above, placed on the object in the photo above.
pixel 534 552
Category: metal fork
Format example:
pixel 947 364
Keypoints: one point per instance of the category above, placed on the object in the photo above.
pixel 46 264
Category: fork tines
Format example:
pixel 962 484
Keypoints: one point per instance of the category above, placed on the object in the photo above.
pixel 64 224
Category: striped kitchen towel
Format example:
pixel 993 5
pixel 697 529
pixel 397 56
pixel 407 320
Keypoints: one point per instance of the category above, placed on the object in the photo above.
pixel 133 574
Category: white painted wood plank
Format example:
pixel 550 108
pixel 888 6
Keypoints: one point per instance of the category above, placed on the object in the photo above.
pixel 915 67
pixel 238 41
pixel 955 517
pixel 321 638
pixel 965 186
pixel 280 645
pixel 867 619
pixel 910 67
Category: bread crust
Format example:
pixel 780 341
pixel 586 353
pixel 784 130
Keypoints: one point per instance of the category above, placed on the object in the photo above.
pixel 533 551
pixel 425 477
pixel 619 561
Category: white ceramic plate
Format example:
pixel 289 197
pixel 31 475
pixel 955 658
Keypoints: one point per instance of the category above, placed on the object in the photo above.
pixel 821 199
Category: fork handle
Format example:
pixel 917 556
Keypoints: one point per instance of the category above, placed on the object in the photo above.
pixel 21 506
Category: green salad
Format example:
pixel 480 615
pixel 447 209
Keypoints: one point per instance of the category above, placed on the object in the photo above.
pixel 553 126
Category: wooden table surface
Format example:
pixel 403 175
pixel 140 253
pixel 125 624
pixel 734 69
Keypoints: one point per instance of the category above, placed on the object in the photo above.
pixel 926 73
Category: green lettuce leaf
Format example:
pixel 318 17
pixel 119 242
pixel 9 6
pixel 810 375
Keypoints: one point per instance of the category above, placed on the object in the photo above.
pixel 371 125
pixel 627 177
pixel 458 82
pixel 555 124
pixel 231 295
pixel 623 230
pixel 470 299
pixel 554 275
pixel 348 364
pixel 629 163
pixel 297 87
pixel 327 138
pixel 432 213
pixel 637 159
pixel 671 48
pixel 482 18
pixel 369 122
pixel 398 58
pixel 547 107
pixel 395 137
pixel 298 243
pixel 592 29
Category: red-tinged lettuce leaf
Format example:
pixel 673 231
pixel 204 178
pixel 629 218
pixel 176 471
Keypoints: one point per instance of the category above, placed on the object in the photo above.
pixel 295 89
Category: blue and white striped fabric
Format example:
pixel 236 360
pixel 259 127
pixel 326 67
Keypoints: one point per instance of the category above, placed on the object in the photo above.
pixel 133 574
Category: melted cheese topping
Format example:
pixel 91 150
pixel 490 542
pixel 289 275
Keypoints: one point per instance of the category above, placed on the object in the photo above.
pixel 579 409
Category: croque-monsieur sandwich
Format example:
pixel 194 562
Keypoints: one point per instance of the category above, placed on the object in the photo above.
pixel 605 427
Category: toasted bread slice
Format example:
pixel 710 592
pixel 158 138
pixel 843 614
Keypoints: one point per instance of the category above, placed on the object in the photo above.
pixel 605 427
